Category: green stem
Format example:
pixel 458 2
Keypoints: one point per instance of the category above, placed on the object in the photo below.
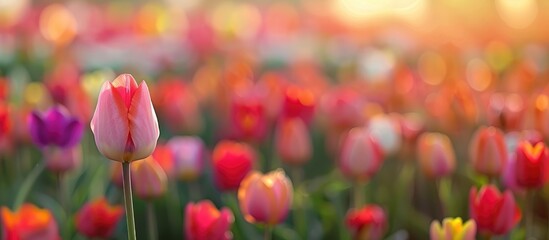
pixel 27 184
pixel 128 200
pixel 151 219
pixel 358 195
pixel 530 214
pixel 300 217
pixel 268 232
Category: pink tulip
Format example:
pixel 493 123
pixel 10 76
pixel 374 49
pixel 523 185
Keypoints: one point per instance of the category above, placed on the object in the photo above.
pixel 488 151
pixel 436 155
pixel 265 198
pixel 124 123
pixel 203 221
pixel 149 179
pixel 293 142
pixel 61 160
pixel 361 155
pixel 188 157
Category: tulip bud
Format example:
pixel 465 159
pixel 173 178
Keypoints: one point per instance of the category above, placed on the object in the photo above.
pixel 436 155
pixel 55 128
pixel 453 229
pixel 265 198
pixel 28 223
pixel 232 161
pixel 361 156
pixel 532 165
pixel 488 151
pixel 124 123
pixel 205 222
pixel 98 219
pixel 293 142
pixel 188 157
pixel 386 130
pixel 368 222
pixel 494 213
pixel 149 179
pixel 62 160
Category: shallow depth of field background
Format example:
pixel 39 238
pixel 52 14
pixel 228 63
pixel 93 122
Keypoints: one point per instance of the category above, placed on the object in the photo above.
pixel 446 66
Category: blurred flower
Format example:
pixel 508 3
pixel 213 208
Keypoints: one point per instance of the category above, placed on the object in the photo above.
pixel 411 126
pixel 506 111
pixel 488 151
pixel 509 174
pixel 248 117
pixel 61 160
pixel 386 129
pixel 494 213
pixel 265 198
pixel 299 102
pixel 149 181
pixel 124 123
pixel 177 105
pixel 453 229
pixel 163 156
pixel 361 155
pixel 188 157
pixel 98 219
pixel 6 126
pixel 232 161
pixel 369 222
pixel 541 113
pixel 55 128
pixel 116 174
pixel 293 143
pixel 29 223
pixel 436 155
pixel 203 221
pixel 343 108
pixel 271 85
pixel 4 89
pixel 532 165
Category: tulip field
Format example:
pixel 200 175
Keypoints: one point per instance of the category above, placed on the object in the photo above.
pixel 275 120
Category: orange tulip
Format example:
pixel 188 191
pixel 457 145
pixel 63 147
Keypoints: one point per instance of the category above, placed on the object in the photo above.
pixel 28 223
pixel 124 123
pixel 488 151
pixel 436 154
pixel 98 219
pixel 293 142
pixel 265 198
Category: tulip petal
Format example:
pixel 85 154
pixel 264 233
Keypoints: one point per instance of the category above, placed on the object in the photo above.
pixel 109 124
pixel 143 123
pixel 38 130
pixel 72 133
pixel 435 231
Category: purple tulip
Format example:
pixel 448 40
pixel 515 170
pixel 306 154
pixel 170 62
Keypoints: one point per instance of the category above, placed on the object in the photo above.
pixel 55 127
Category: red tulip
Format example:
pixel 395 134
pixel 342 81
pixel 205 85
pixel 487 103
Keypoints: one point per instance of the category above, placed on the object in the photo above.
pixel 436 155
pixel 205 222
pixel 488 151
pixel 532 165
pixel 232 161
pixel 361 155
pixel 265 198
pixel 299 102
pixel 494 213
pixel 124 123
pixel 293 142
pixel 368 222
pixel 149 181
pixel 248 117
pixel 6 141
pixel 28 223
pixel 98 219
